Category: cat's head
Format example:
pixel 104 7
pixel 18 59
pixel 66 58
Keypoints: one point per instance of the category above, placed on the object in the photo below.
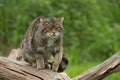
pixel 52 27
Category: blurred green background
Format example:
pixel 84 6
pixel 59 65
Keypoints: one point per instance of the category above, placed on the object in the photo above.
pixel 91 28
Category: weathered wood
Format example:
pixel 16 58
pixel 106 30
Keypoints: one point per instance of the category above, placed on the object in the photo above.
pixel 13 69
pixel 102 70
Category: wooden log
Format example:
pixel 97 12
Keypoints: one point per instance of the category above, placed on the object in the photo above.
pixel 99 72
pixel 12 69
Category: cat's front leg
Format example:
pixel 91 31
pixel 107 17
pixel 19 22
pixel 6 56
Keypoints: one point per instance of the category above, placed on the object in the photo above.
pixel 40 61
pixel 57 61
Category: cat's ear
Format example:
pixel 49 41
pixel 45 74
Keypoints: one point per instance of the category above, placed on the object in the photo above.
pixel 61 19
pixel 41 19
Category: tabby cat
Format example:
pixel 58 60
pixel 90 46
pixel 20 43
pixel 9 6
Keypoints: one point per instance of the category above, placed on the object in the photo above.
pixel 43 40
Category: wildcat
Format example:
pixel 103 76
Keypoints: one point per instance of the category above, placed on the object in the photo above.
pixel 42 40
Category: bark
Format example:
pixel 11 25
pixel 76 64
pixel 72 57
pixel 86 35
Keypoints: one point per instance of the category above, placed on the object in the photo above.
pixel 13 69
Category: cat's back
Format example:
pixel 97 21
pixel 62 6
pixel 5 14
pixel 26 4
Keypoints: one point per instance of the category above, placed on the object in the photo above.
pixel 29 35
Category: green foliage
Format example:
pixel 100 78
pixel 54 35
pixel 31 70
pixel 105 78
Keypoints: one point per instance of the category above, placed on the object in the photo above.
pixel 91 27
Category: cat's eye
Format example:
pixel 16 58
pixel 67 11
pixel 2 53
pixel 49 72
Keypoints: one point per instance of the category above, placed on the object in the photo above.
pixel 45 30
pixel 60 29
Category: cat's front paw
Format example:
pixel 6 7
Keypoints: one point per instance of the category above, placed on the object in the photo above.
pixel 39 68
pixel 55 67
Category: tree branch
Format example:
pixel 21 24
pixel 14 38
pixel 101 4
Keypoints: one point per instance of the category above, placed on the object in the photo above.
pixel 13 69
pixel 102 70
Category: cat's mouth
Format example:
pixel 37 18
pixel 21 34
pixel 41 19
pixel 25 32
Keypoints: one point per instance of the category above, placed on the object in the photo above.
pixel 53 35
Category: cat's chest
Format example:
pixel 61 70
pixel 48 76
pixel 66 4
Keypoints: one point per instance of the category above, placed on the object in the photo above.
pixel 49 47
pixel 50 42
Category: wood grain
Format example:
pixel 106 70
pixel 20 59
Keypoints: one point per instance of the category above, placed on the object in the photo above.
pixel 14 69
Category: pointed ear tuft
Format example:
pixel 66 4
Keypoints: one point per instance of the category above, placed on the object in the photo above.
pixel 40 19
pixel 61 19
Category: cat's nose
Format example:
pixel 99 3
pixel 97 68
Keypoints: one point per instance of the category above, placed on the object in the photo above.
pixel 53 34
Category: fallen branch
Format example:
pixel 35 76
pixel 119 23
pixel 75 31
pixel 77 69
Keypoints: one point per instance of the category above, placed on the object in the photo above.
pixel 11 69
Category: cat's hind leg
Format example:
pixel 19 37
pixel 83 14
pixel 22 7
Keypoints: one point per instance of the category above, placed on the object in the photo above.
pixel 29 57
